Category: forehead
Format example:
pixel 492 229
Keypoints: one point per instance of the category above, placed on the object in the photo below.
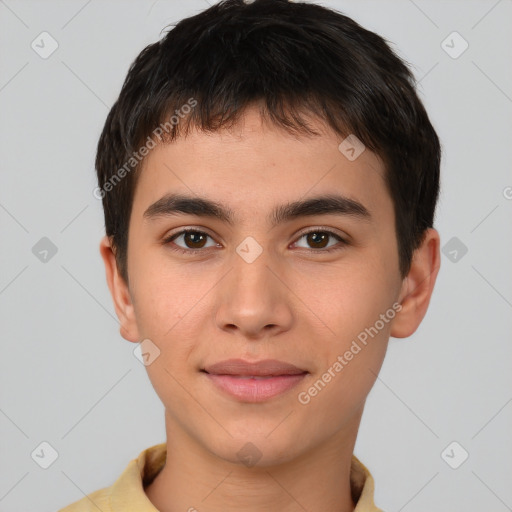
pixel 255 164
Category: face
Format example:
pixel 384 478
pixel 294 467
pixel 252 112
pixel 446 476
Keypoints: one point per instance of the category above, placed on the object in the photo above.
pixel 296 260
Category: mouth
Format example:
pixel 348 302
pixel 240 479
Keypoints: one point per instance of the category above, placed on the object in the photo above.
pixel 254 381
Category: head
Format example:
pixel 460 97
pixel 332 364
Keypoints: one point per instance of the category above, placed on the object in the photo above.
pixel 237 124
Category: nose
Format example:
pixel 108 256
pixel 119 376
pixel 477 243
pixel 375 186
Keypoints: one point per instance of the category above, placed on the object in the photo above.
pixel 253 299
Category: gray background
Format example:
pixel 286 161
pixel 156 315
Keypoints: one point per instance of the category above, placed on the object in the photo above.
pixel 68 378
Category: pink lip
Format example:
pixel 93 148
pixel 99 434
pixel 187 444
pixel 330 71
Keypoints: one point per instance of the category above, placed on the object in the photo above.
pixel 254 382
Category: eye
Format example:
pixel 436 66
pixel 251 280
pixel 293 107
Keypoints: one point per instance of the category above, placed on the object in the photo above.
pixel 319 239
pixel 189 241
pixel 192 239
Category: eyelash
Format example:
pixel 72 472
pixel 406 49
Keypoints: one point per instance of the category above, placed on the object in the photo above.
pixel 169 239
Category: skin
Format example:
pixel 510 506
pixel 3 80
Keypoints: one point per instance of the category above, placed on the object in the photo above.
pixel 295 303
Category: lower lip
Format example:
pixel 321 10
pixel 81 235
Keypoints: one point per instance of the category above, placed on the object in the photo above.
pixel 255 390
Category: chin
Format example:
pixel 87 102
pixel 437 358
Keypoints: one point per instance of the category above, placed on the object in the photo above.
pixel 255 449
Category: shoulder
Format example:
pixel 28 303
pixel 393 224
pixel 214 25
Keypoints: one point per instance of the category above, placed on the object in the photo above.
pixel 126 494
pixel 99 499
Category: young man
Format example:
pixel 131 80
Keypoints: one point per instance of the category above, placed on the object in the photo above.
pixel 269 180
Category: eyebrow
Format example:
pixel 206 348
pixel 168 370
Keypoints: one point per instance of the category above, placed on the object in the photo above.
pixel 174 204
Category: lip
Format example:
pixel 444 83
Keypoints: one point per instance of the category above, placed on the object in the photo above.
pixel 254 381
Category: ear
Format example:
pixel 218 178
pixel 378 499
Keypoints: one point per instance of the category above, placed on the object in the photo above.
pixel 417 286
pixel 120 293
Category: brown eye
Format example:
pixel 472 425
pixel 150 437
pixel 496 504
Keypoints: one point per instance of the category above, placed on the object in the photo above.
pixel 321 239
pixel 318 240
pixel 190 240
pixel 194 239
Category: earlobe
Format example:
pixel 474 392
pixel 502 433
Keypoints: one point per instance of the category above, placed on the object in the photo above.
pixel 417 286
pixel 120 293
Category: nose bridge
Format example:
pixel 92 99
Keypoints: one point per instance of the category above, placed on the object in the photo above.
pixel 250 279
pixel 252 299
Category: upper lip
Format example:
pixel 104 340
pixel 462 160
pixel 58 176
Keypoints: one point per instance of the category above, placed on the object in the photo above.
pixel 258 368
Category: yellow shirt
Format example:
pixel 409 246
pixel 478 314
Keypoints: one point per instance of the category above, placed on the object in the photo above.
pixel 127 493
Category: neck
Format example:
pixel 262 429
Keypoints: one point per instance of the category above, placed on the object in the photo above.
pixel 195 480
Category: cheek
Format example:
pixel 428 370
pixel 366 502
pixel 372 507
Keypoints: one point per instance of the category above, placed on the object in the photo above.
pixel 167 312
pixel 165 295
pixel 348 298
pixel 359 309
pixel 350 364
